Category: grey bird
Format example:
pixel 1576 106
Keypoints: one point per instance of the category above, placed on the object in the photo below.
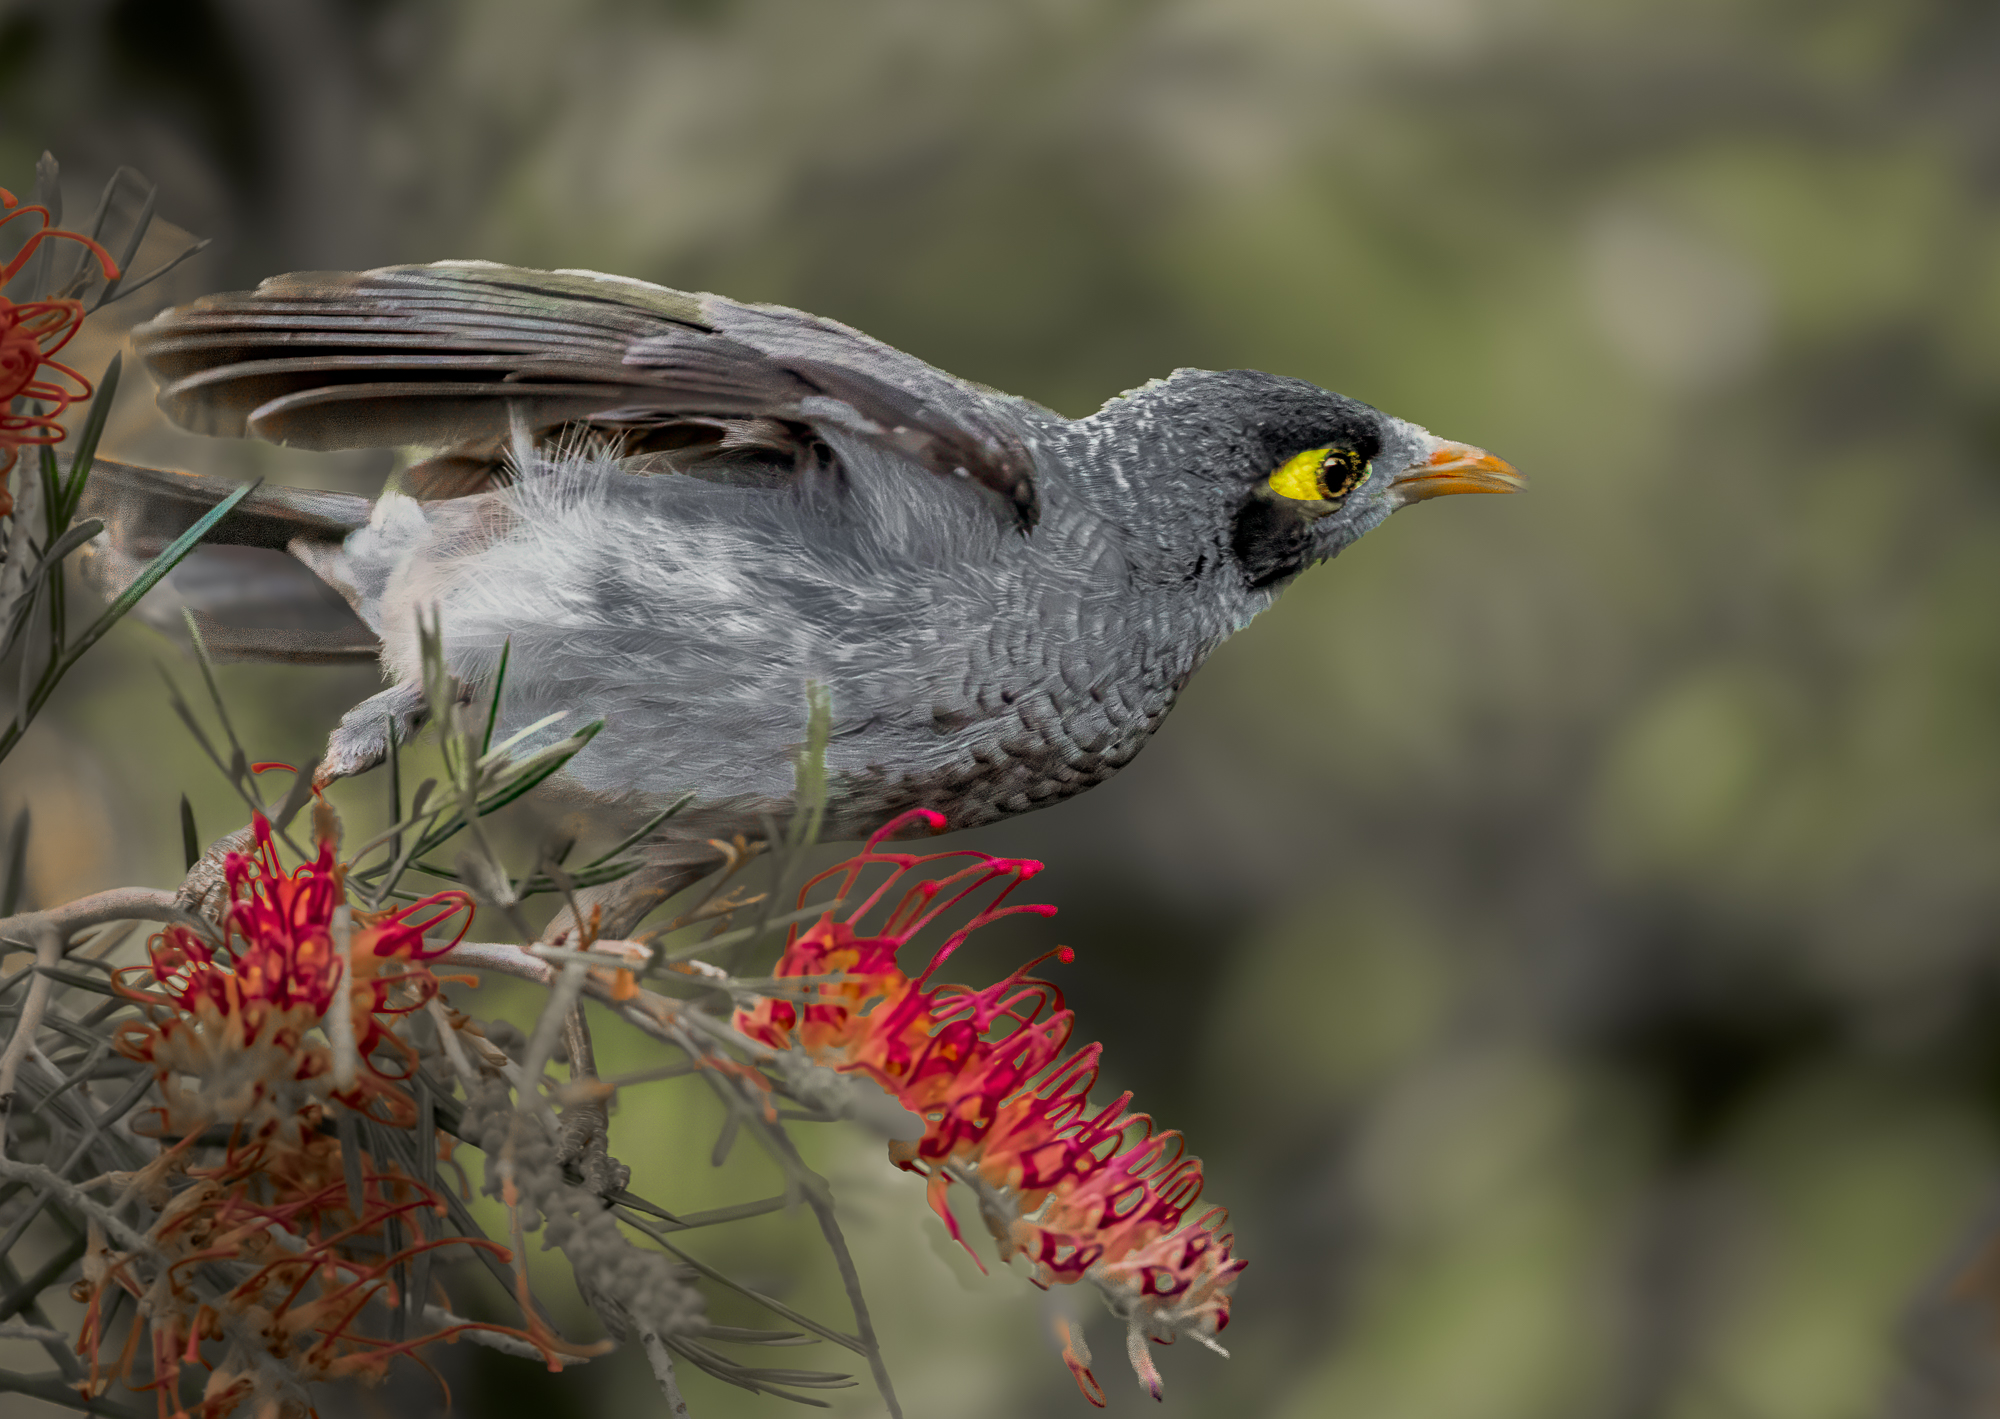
pixel 678 510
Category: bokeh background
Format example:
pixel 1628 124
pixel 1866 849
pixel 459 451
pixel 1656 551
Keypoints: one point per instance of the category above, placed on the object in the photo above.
pixel 1568 925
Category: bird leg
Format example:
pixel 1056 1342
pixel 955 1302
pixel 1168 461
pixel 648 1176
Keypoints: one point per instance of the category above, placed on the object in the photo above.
pixel 361 740
pixel 205 890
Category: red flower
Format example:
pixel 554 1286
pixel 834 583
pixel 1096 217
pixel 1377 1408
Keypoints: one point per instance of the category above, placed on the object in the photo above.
pixel 276 972
pixel 1084 1194
pixel 311 1237
pixel 30 333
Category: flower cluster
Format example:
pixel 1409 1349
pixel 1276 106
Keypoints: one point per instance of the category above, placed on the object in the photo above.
pixel 1081 1193
pixel 227 1025
pixel 303 1258
pixel 259 1267
pixel 31 332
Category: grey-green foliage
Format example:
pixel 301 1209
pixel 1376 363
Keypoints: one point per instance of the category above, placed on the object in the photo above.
pixel 37 644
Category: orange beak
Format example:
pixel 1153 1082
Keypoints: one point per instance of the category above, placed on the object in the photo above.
pixel 1456 468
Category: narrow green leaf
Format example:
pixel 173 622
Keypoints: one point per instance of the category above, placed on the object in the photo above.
pixel 24 608
pixel 499 683
pixel 665 813
pixel 138 237
pixel 392 872
pixel 155 571
pixel 52 495
pixel 295 797
pixel 746 933
pixel 541 766
pixel 598 876
pixel 525 732
pixel 94 229
pixel 65 544
pixel 239 762
pixel 770 1303
pixel 545 763
pixel 238 775
pixel 535 884
pixel 186 713
pixel 86 440
pixel 73 979
pixel 809 769
pixel 126 288
pixel 17 864
pixel 190 839
pixel 440 692
pixel 395 788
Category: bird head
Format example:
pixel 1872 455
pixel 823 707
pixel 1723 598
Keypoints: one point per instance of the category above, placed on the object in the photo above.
pixel 1269 475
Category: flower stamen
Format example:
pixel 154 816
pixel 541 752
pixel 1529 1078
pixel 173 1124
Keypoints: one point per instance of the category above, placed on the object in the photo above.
pixel 1081 1194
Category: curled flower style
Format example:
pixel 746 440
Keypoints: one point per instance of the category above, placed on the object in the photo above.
pixel 1081 1193
pixel 234 1018
pixel 303 1257
pixel 31 332
pixel 306 1235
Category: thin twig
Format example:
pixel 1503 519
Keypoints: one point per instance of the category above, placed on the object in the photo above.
pixel 18 1330
pixel 340 1010
pixel 662 1361
pixel 117 904
pixel 448 1037
pixel 51 1390
pixel 819 1197
pixel 48 946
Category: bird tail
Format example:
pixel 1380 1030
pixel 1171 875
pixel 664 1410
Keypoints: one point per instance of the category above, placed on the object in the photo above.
pixel 249 584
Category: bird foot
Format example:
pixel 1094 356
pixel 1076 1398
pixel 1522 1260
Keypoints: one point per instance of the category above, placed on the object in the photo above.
pixel 361 740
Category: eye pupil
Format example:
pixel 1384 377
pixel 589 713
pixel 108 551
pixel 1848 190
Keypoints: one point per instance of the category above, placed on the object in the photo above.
pixel 1341 470
pixel 1319 475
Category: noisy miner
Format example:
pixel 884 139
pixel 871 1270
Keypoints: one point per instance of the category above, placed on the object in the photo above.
pixel 679 511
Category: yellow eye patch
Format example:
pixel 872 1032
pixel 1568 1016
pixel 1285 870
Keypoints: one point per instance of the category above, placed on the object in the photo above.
pixel 1319 475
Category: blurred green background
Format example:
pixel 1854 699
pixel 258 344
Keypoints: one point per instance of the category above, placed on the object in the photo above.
pixel 1569 925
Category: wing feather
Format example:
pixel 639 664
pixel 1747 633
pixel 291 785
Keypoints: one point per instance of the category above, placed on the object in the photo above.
pixel 450 354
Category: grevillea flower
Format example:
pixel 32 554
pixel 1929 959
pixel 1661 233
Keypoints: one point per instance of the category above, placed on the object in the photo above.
pixel 1082 1193
pixel 238 1014
pixel 303 1266
pixel 31 332
pixel 242 1036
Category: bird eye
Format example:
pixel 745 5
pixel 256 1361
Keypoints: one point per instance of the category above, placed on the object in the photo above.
pixel 1319 475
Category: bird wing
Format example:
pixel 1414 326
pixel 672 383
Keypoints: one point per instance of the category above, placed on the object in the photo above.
pixel 449 354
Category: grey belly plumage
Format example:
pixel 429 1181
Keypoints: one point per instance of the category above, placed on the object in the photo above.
pixel 1038 749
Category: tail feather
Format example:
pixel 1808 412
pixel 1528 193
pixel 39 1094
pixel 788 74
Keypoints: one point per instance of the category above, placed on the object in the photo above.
pixel 146 508
pixel 251 598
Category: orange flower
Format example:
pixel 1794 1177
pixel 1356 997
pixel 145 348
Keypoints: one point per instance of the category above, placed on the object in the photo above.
pixel 1084 1194
pixel 30 333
